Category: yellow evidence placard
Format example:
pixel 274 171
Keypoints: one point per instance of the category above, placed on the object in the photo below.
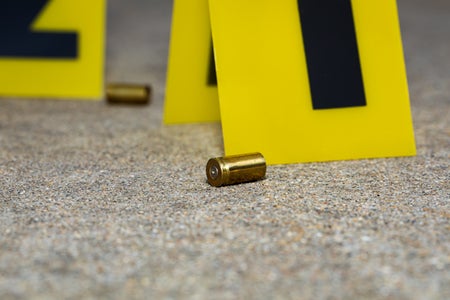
pixel 52 48
pixel 312 80
pixel 191 86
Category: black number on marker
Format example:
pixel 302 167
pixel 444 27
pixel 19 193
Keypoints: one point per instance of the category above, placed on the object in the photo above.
pixel 212 76
pixel 18 40
pixel 332 56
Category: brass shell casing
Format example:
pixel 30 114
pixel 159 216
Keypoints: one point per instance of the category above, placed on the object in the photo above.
pixel 119 93
pixel 235 169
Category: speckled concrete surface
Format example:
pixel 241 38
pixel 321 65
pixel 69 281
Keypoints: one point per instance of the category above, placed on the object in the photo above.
pixel 103 202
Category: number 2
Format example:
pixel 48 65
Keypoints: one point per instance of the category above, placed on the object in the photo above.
pixel 17 39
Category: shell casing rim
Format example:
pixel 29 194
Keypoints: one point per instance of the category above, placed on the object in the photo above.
pixel 222 175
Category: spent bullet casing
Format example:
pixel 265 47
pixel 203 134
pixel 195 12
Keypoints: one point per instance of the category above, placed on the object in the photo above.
pixel 235 169
pixel 119 93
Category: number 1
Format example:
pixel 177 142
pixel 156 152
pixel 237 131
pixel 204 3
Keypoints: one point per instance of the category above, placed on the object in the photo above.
pixel 332 56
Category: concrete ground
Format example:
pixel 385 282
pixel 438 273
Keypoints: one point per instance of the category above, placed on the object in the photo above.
pixel 101 201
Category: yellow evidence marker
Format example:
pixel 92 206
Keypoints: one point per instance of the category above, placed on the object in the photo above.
pixel 312 80
pixel 191 87
pixel 52 48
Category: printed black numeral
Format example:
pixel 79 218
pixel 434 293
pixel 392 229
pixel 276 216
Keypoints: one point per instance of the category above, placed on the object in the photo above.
pixel 332 56
pixel 212 75
pixel 18 40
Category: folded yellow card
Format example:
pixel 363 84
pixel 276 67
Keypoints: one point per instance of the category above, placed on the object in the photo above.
pixel 191 87
pixel 52 48
pixel 311 80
